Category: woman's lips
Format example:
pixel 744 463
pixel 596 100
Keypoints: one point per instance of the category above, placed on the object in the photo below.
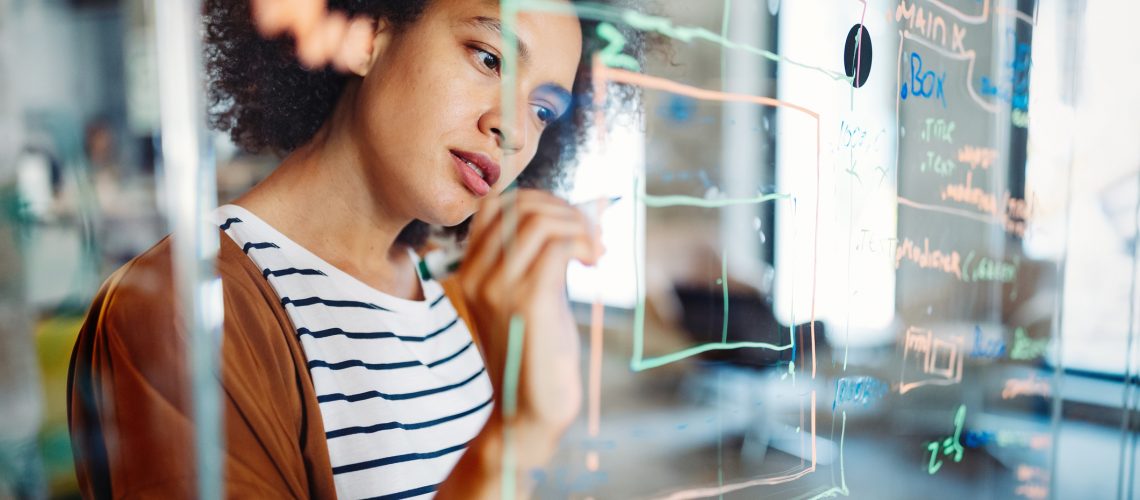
pixel 470 178
pixel 479 185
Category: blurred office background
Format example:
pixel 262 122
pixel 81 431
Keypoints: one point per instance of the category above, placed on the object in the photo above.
pixel 81 192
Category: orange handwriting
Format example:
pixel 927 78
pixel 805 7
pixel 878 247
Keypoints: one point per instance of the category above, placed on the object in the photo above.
pixel 1015 213
pixel 1031 386
pixel 949 263
pixel 977 157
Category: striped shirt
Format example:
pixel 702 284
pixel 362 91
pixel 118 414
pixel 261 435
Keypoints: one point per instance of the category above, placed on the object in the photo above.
pixel 401 386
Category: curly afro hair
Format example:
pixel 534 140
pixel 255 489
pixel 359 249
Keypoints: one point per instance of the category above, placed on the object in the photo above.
pixel 268 102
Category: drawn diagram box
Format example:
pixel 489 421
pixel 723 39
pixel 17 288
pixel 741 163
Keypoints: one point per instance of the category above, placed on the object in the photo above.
pixel 684 198
pixel 696 192
pixel 930 360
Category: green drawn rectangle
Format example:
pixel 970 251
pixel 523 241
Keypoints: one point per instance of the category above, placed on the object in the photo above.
pixel 638 362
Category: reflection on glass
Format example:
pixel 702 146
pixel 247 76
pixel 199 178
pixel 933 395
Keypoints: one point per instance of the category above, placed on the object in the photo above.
pixel 921 286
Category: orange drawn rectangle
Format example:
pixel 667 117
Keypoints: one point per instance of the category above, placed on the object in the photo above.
pixel 603 75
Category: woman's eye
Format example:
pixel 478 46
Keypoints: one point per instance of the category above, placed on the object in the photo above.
pixel 488 60
pixel 545 115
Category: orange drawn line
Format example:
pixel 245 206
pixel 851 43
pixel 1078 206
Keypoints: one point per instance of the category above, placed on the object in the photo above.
pixel 801 435
pixel 814 269
pixel 597 310
pixel 985 15
pixel 632 78
pixel 765 481
pixel 966 18
pixel 813 455
pixel 1017 14
pixel 728 488
pixel 603 73
pixel 720 490
pixel 947 210
pixel 597 321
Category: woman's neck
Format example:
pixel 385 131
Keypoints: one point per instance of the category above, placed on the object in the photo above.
pixel 319 198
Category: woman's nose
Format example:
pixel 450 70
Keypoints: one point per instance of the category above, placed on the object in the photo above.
pixel 505 143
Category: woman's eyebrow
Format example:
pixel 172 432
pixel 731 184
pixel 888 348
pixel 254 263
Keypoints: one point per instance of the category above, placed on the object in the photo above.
pixel 493 24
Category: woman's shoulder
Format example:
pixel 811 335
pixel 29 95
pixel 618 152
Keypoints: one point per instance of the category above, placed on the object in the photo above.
pixel 129 371
pixel 141 296
pixel 142 290
pixel 137 320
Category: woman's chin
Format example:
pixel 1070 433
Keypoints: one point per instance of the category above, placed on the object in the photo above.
pixel 452 216
pixel 448 208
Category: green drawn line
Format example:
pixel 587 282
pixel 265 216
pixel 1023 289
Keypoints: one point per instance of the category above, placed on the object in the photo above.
pixel 509 14
pixel 724 34
pixel 513 365
pixel 509 465
pixel 611 54
pixel 664 26
pixel 842 488
pixel 792 301
pixel 640 364
pixel 511 369
pixel 842 437
pixel 509 69
pixel 692 201
pixel 639 280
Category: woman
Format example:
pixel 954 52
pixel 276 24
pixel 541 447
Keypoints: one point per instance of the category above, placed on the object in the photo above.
pixel 344 373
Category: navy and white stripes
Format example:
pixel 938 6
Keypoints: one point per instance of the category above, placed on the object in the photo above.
pixel 401 386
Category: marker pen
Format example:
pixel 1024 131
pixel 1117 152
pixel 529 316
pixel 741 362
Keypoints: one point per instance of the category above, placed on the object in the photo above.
pixel 440 263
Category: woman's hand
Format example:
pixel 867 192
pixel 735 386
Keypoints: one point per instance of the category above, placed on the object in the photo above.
pixel 323 37
pixel 527 277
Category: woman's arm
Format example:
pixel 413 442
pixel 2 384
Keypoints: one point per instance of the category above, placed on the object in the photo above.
pixel 525 278
pixel 480 473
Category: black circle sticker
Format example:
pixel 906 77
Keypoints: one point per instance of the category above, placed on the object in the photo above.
pixel 857 55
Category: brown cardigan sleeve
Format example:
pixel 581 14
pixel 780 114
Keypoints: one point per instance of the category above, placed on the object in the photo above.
pixel 129 404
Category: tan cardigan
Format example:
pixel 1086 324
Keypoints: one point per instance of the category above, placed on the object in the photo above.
pixel 129 402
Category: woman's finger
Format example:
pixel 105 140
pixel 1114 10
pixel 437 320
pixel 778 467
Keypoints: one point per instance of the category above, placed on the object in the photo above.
pixel 519 199
pixel 485 249
pixel 359 33
pixel 547 272
pixel 298 17
pixel 535 232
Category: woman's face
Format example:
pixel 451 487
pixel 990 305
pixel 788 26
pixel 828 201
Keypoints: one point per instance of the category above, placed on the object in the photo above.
pixel 428 119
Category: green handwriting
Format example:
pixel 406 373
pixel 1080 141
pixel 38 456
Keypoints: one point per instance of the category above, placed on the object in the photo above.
pixel 952 445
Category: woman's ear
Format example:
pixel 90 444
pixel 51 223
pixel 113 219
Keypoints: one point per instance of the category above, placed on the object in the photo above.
pixel 364 41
